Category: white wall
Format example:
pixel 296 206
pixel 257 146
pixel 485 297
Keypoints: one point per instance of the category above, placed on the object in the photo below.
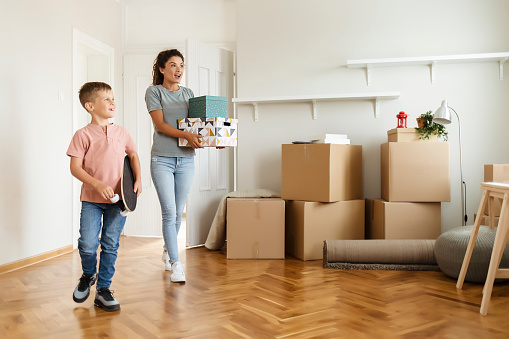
pixel 292 47
pixel 35 127
pixel 169 23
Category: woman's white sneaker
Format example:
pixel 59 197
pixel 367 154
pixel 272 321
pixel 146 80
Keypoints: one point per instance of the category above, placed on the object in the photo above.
pixel 166 259
pixel 177 274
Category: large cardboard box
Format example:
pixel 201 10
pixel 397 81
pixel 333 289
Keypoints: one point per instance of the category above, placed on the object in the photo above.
pixel 495 173
pixel 216 131
pixel 207 106
pixel 255 228
pixel 309 224
pixel 415 171
pixel 407 135
pixel 402 220
pixel 321 172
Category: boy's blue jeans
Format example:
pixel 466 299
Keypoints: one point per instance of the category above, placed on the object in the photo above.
pixel 90 229
pixel 173 178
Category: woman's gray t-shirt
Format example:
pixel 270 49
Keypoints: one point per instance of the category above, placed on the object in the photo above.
pixel 175 105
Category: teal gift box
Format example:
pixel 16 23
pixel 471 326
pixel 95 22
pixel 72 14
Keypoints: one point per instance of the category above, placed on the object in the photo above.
pixel 207 106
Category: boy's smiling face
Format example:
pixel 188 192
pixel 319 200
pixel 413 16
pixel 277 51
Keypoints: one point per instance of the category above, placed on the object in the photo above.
pixel 103 106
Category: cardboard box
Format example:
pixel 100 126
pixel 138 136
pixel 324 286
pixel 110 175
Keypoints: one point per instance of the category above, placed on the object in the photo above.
pixel 207 106
pixel 216 131
pixel 255 228
pixel 415 171
pixel 321 172
pixel 402 220
pixel 407 135
pixel 309 224
pixel 495 173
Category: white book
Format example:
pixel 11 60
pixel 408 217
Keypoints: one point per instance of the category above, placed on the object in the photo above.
pixel 332 141
pixel 334 136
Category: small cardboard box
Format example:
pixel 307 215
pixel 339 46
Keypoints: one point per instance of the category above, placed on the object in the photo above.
pixel 495 173
pixel 321 172
pixel 407 135
pixel 309 224
pixel 216 131
pixel 255 228
pixel 402 220
pixel 207 106
pixel 415 171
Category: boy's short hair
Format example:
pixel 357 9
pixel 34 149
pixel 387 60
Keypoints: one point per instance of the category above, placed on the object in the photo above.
pixel 88 92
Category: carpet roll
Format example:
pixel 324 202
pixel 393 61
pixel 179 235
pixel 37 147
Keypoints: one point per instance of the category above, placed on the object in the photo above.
pixel 386 251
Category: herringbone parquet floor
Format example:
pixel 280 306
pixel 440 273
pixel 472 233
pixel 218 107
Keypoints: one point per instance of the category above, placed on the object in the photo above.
pixel 245 299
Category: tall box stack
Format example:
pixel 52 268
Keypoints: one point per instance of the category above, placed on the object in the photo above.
pixel 415 179
pixel 322 186
pixel 207 117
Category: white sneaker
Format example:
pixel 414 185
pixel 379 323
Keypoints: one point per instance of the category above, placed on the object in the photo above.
pixel 177 274
pixel 166 259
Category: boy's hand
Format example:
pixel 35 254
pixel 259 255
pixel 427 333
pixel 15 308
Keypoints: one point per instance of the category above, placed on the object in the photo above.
pixel 104 190
pixel 137 187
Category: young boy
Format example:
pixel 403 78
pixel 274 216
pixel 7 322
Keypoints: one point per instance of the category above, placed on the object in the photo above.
pixel 97 154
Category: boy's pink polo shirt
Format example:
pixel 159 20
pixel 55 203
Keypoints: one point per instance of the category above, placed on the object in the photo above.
pixel 103 156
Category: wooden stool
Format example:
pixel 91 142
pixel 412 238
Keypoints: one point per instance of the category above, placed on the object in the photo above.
pixel 496 190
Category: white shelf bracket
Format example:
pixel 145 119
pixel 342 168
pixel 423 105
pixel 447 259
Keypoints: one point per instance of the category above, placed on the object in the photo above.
pixel 255 108
pixel 315 109
pixel 433 69
pixel 501 65
pixel 368 74
pixel 376 107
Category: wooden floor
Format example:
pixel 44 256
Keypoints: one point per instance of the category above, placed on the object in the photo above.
pixel 244 299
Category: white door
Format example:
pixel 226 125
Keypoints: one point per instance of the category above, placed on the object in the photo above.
pixel 146 219
pixel 209 72
pixel 92 61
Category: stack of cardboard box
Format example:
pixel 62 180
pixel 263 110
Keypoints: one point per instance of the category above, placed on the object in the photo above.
pixel 322 187
pixel 207 117
pixel 415 179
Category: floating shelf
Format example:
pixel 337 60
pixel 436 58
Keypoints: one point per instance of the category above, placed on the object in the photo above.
pixel 431 61
pixel 314 99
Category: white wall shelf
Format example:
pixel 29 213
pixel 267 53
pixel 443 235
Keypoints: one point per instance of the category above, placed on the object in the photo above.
pixel 314 99
pixel 431 61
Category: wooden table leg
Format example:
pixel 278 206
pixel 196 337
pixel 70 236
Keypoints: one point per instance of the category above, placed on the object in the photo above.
pixel 473 238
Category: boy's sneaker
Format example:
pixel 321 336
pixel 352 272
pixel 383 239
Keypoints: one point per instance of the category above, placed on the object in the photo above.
pixel 166 259
pixel 177 274
pixel 82 291
pixel 105 300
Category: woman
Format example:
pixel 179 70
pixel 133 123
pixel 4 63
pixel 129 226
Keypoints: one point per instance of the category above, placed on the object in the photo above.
pixel 172 167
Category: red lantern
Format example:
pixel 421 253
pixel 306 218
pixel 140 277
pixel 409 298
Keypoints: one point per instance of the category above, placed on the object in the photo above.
pixel 402 119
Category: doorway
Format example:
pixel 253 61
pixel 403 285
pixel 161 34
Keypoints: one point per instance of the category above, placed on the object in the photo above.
pixel 212 168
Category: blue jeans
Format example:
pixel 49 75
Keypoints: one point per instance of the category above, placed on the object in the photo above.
pixel 90 230
pixel 172 179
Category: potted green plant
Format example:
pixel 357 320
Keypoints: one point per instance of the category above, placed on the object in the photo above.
pixel 427 127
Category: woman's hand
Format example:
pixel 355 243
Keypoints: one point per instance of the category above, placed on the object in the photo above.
pixel 193 139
